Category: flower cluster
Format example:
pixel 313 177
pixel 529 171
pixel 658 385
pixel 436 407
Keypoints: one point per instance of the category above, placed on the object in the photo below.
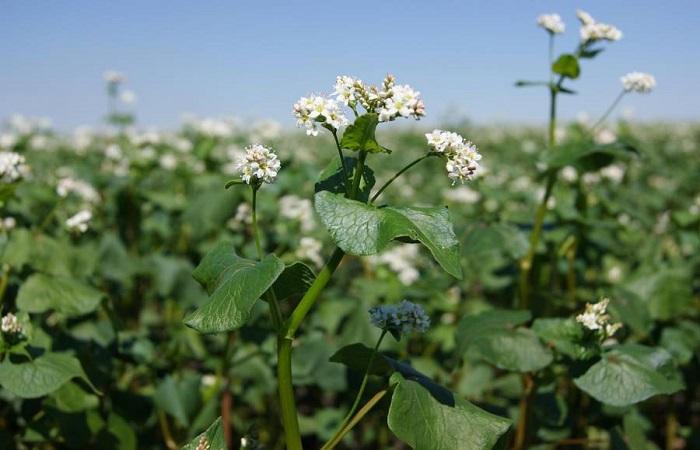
pixel 81 188
pixel 638 82
pixel 10 324
pixel 400 100
pixel 7 223
pixel 299 209
pixel 318 110
pixel 552 23
pixel 404 318
pixel 462 156
pixel 310 249
pixel 113 77
pixel 596 318
pixel 348 90
pixel 259 164
pixel 401 260
pixel 12 167
pixel 79 221
pixel 592 31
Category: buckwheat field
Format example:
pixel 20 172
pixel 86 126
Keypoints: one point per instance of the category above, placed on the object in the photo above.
pixel 366 279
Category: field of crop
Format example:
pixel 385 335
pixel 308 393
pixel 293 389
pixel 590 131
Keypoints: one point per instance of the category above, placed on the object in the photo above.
pixel 247 285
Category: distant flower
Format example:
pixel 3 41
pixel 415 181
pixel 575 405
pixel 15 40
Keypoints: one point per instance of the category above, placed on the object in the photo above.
pixel 113 151
pixel 12 167
pixel 113 77
pixel 7 223
pixel 462 194
pixel 592 31
pixel 81 188
pixel 128 97
pixel 638 82
pixel 595 318
pixel 552 23
pixel 300 209
pixel 79 222
pixel 168 161
pixel 310 249
pixel 10 324
pixel 404 318
pixel 243 216
pixel 318 110
pixel 260 164
pixel 401 259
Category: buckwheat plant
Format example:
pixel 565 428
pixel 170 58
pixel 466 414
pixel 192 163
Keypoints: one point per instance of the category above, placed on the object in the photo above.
pixel 346 202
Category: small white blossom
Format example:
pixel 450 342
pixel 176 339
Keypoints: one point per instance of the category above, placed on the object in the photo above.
pixel 259 164
pixel 128 97
pixel 243 216
pixel 348 89
pixel 597 31
pixel 310 249
pixel 168 161
pixel 584 17
pixel 113 77
pixel 81 188
pixel 317 110
pixel 12 167
pixel 10 324
pixel 462 194
pixel 569 174
pixel 402 101
pixel 404 318
pixel 462 156
pixel 613 172
pixel 552 23
pixel 638 82
pixel 402 260
pixel 595 318
pixel 79 222
pixel 7 223
pixel 605 136
pixel 300 209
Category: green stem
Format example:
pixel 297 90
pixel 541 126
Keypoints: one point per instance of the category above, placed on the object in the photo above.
pixel 398 174
pixel 255 221
pixel 360 414
pixel 288 406
pixel 609 110
pixel 359 171
pixel 342 162
pixel 361 391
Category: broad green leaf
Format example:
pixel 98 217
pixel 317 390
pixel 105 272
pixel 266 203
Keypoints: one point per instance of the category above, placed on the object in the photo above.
pixel 361 229
pixel 360 135
pixel 587 157
pixel 179 397
pixel 629 374
pixel 666 291
pixel 567 65
pixel 567 336
pixel 66 295
pixel 682 341
pixel 294 280
pixel 71 398
pixel 41 376
pixel 234 285
pixel 424 423
pixel 493 336
pixel 331 178
pixel 211 439
pixel 498 237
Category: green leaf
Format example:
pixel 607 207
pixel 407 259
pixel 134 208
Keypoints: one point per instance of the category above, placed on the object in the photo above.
pixel 667 291
pixel 589 157
pixel 493 238
pixel 629 374
pixel 590 53
pixel 213 437
pixel 493 336
pixel 294 280
pixel 361 229
pixel 567 336
pixel 424 423
pixel 360 135
pixel 682 341
pixel 71 398
pixel 526 83
pixel 233 183
pixel 41 376
pixel 567 65
pixel 66 295
pixel 179 397
pixel 331 178
pixel 234 285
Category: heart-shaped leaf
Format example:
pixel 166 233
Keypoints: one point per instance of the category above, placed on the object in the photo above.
pixel 234 285
pixel 361 229
pixel 332 178
pixel 424 423
pixel 294 280
pixel 567 65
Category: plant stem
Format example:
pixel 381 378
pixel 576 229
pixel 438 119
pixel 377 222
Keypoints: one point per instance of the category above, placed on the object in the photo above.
pixel 226 397
pixel 361 391
pixel 609 110
pixel 520 441
pixel 165 430
pixel 360 414
pixel 342 162
pixel 398 174
pixel 290 420
pixel 254 189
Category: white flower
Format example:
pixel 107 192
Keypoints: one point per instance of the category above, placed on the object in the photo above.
pixel 310 249
pixel 596 318
pixel 462 156
pixel 81 188
pixel 402 260
pixel 584 17
pixel 12 167
pixel 168 161
pixel 128 97
pixel 613 172
pixel 10 324
pixel 260 164
pixel 402 101
pixel 348 89
pixel 7 223
pixel 569 174
pixel 592 31
pixel 638 82
pixel 243 216
pixel 113 77
pixel 314 110
pixel 404 318
pixel 552 23
pixel 444 141
pixel 79 222
pixel 300 209
pixel 462 194
pixel 605 136
pixel 113 151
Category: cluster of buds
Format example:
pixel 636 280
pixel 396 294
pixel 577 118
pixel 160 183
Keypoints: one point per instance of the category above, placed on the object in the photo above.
pixel 642 83
pixel 259 165
pixel 404 318
pixel 552 23
pixel 82 189
pixel 595 318
pixel 10 325
pixel 13 167
pixel 462 155
pixel 316 110
pixel 592 31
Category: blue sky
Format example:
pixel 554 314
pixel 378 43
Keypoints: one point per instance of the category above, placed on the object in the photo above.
pixel 255 58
